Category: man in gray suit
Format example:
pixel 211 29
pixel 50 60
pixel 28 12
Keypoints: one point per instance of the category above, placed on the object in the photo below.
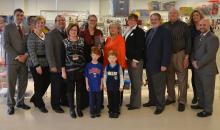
pixel 16 49
pixel 204 62
pixel 54 41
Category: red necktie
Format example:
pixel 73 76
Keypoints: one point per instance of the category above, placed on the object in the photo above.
pixel 20 31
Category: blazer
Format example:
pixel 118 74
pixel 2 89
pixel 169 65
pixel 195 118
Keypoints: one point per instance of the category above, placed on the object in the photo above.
pixel 158 51
pixel 15 44
pixel 36 51
pixel 135 44
pixel 53 45
pixel 204 52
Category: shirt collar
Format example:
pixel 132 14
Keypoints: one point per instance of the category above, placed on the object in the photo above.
pixel 134 27
pixel 19 24
pixel 204 34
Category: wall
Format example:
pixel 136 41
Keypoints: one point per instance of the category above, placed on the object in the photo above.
pixel 33 7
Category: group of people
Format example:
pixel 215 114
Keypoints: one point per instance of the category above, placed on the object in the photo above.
pixel 72 60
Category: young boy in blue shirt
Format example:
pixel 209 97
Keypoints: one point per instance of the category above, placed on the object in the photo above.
pixel 94 76
pixel 113 82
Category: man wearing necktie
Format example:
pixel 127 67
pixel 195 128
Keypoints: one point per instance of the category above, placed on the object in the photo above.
pixel 54 42
pixel 16 50
pixel 204 62
pixel 157 57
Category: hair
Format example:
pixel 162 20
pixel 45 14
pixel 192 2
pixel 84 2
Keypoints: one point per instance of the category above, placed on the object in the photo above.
pixel 18 10
pixel 58 16
pixel 191 22
pixel 157 15
pixel 118 26
pixel 2 19
pixel 133 16
pixel 95 50
pixel 39 18
pixel 92 15
pixel 112 53
pixel 71 25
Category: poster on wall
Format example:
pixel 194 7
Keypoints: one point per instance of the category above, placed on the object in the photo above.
pixel 120 8
pixel 186 11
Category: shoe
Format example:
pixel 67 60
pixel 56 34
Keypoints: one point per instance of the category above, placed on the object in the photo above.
pixel 115 115
pixel 11 110
pixel 58 110
pixel 43 109
pixel 133 108
pixel 92 116
pixel 181 107
pixel 168 102
pixel 98 115
pixel 32 101
pixel 111 115
pixel 196 107
pixel 73 113
pixel 79 113
pixel 102 107
pixel 194 100
pixel 149 104
pixel 204 114
pixel 128 105
pixel 23 106
pixel 158 111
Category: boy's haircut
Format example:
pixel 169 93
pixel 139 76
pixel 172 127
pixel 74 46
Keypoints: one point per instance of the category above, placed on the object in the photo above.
pixel 18 10
pixel 95 50
pixel 112 53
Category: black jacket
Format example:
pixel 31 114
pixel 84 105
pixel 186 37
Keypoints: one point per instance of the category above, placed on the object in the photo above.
pixel 135 44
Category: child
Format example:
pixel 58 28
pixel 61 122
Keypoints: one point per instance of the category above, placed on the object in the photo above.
pixel 94 76
pixel 113 82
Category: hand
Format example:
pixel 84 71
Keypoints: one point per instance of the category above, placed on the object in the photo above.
pixel 194 63
pixel 185 62
pixel 53 69
pixel 163 68
pixel 64 76
pixel 21 58
pixel 39 70
pixel 134 64
pixel 87 88
pixel 120 89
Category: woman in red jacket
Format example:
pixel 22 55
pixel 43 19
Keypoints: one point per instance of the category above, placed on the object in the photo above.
pixel 116 43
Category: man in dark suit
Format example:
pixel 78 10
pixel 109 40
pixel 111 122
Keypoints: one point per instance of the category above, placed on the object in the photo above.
pixel 135 38
pixel 16 49
pixel 157 55
pixel 204 62
pixel 54 41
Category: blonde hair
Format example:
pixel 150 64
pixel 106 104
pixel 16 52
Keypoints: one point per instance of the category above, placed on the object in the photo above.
pixel 115 24
pixel 39 18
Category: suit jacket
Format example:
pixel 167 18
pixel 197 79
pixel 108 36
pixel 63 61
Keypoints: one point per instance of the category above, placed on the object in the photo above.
pixel 53 45
pixel 158 51
pixel 135 44
pixel 204 52
pixel 15 44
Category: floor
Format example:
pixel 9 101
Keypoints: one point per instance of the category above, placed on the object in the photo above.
pixel 141 119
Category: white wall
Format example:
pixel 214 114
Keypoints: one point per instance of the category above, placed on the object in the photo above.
pixel 33 7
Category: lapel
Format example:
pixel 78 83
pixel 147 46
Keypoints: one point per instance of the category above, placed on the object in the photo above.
pixel 149 42
pixel 15 30
pixel 131 34
pixel 58 33
pixel 203 41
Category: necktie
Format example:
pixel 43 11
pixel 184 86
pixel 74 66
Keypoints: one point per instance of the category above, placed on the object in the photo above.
pixel 20 31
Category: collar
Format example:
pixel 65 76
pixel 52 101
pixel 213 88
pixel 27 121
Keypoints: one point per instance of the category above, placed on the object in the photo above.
pixel 19 24
pixel 204 34
pixel 133 28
